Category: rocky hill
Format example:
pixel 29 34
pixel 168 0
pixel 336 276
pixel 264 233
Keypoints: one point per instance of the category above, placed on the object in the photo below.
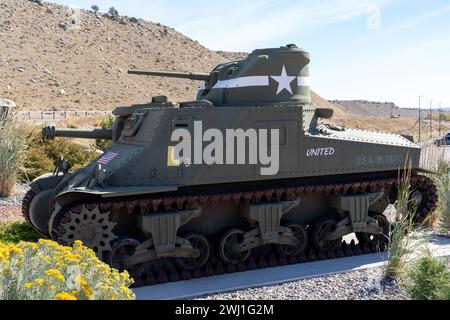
pixel 47 62
pixel 51 58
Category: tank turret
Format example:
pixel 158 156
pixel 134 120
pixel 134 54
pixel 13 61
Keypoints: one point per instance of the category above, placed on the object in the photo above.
pixel 266 76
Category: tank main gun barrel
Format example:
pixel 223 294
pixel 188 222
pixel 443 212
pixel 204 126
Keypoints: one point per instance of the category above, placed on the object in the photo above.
pixel 182 75
pixel 51 132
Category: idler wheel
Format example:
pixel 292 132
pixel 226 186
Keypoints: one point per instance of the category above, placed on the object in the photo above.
pixel 422 200
pixel 319 233
pixel 377 239
pixel 294 250
pixel 26 208
pixel 228 251
pixel 201 244
pixel 122 248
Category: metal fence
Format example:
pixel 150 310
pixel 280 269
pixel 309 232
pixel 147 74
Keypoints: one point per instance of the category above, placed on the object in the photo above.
pixel 49 115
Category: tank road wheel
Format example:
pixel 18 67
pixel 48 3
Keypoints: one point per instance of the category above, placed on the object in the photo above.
pixel 378 239
pixel 227 247
pixel 319 233
pixel 91 227
pixel 294 250
pixel 122 248
pixel 201 244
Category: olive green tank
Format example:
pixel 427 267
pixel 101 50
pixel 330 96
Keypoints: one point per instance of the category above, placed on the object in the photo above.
pixel 250 165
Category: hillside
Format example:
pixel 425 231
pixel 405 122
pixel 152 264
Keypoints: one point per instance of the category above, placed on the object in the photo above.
pixel 47 64
pixel 372 109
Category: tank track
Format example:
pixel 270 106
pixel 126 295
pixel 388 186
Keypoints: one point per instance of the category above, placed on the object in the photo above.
pixel 271 258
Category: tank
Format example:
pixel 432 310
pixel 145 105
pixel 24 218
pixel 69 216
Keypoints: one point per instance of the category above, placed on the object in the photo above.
pixel 248 170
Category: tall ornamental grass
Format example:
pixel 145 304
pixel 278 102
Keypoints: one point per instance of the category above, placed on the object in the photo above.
pixel 14 139
pixel 400 244
pixel 442 180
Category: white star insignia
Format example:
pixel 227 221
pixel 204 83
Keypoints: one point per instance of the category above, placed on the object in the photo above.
pixel 284 81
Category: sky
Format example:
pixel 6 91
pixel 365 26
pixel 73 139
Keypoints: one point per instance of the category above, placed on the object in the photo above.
pixel 380 50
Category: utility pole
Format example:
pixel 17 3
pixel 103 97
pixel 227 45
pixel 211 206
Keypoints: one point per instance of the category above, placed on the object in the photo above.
pixel 420 119
pixel 440 107
pixel 431 119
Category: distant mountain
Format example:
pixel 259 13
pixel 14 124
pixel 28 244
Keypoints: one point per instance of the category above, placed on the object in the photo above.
pixel 373 109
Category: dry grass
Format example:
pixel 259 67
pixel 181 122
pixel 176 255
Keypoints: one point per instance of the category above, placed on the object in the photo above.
pixel 400 245
pixel 409 126
pixel 442 180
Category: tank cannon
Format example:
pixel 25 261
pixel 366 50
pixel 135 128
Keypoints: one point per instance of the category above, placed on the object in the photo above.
pixel 51 132
pixel 181 75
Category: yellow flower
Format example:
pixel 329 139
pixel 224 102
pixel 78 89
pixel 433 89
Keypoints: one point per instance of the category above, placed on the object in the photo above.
pixel 39 281
pixel 87 289
pixel 65 296
pixel 56 274
pixel 29 285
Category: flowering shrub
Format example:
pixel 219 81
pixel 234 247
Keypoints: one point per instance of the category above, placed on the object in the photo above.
pixel 47 271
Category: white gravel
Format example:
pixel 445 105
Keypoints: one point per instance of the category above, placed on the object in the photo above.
pixel 359 285
pixel 16 198
pixel 356 285
pixel 10 208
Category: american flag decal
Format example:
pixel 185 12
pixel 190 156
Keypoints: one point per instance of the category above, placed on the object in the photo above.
pixel 107 157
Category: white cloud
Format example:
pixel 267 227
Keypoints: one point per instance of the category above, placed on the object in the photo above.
pixel 237 27
pixel 416 20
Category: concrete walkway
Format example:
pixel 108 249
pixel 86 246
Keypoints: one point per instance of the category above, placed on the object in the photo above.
pixel 271 276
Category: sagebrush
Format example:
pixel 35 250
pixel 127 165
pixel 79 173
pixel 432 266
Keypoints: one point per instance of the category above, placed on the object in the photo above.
pixel 106 123
pixel 42 155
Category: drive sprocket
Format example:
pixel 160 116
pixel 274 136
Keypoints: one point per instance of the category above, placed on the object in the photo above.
pixel 91 227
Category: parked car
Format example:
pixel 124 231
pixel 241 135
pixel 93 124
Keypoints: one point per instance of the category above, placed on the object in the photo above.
pixel 446 140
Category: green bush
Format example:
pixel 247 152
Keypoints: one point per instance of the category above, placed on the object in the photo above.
pixel 106 123
pixel 429 279
pixel 42 155
pixel 14 232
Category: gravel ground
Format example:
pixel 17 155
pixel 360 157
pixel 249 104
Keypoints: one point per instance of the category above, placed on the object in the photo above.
pixel 10 207
pixel 358 285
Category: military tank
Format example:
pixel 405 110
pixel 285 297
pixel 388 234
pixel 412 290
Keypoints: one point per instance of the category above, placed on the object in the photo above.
pixel 222 201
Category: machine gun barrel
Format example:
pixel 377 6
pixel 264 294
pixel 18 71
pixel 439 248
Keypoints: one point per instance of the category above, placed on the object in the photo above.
pixel 183 75
pixel 52 132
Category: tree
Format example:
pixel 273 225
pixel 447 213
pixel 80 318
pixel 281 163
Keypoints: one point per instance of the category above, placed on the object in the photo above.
pixel 113 12
pixel 95 8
